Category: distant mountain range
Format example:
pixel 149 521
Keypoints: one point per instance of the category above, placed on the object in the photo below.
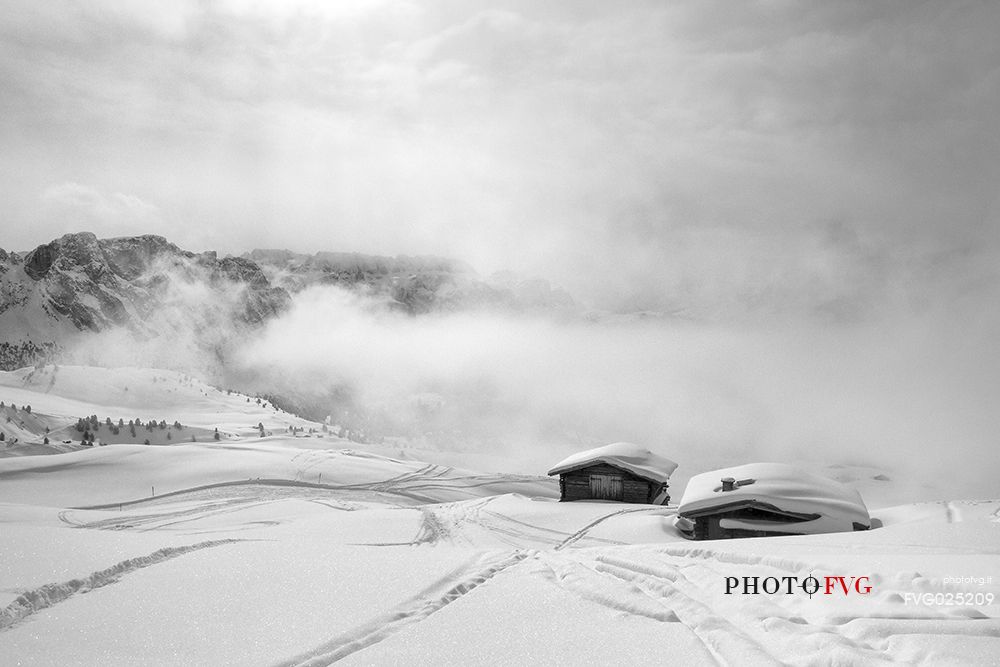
pixel 147 286
pixel 415 285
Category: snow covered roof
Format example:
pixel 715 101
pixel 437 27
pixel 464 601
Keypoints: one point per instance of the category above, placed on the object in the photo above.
pixel 785 487
pixel 625 455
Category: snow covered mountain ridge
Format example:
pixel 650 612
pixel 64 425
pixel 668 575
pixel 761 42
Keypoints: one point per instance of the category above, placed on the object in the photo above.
pixel 143 285
pixel 148 287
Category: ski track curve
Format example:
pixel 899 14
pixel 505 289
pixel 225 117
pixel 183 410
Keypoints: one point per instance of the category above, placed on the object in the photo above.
pixel 459 583
pixel 687 581
pixel 35 600
pixel 578 535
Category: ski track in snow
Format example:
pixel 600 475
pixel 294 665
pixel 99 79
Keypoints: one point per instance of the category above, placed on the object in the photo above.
pixel 672 592
pixel 698 574
pixel 440 594
pixel 162 520
pixel 658 595
pixel 43 597
pixel 578 535
pixel 680 584
pixel 669 583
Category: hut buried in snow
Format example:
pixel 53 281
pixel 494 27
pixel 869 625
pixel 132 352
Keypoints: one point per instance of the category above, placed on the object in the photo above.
pixel 760 499
pixel 620 471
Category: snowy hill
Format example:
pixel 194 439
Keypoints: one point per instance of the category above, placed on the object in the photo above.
pixel 300 550
pixel 59 396
pixel 387 561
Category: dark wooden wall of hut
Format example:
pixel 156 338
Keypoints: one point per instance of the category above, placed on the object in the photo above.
pixel 575 484
pixel 708 527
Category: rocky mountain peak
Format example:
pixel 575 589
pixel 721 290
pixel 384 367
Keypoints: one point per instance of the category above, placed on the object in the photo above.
pixel 79 282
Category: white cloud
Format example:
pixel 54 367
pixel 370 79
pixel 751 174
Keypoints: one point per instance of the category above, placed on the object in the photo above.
pixel 113 214
pixel 702 145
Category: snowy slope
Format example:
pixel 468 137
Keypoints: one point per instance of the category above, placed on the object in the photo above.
pixel 122 473
pixel 307 551
pixel 66 393
pixel 368 574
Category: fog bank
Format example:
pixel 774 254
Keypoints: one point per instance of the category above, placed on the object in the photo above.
pixel 914 392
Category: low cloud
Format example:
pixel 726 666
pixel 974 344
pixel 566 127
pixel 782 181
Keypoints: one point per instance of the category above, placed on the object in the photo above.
pixel 907 394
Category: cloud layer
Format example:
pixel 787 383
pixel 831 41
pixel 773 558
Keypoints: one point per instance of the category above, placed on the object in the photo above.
pixel 706 158
pixel 911 396
pixel 810 187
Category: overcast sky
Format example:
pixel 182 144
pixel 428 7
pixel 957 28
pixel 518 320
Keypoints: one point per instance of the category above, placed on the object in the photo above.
pixel 832 156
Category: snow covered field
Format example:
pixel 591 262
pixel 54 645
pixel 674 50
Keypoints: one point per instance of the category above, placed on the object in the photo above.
pixel 290 550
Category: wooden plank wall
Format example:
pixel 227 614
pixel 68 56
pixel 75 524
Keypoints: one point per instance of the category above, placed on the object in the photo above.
pixel 575 485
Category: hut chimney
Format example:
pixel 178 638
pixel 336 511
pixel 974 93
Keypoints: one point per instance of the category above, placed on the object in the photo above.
pixel 728 483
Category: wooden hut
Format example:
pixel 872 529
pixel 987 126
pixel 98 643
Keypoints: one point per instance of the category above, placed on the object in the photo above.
pixel 766 499
pixel 620 471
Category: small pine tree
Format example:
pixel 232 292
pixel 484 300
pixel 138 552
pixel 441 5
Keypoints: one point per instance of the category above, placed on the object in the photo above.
pixel 27 409
pixel 3 436
pixel 146 441
pixel 216 435
pixel 46 440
